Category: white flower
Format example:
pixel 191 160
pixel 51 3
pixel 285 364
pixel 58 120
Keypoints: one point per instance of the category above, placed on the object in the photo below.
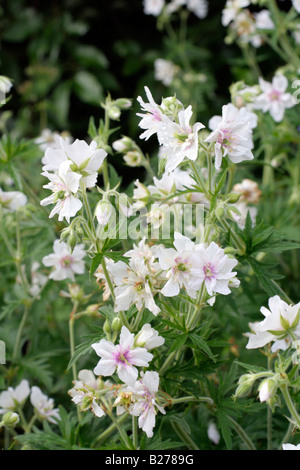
pixel 274 98
pixel 232 136
pixel 178 264
pixel 296 5
pixel 279 319
pixel 43 406
pixel 132 285
pixel 213 433
pixel 291 446
pixel 13 398
pixel 146 405
pixel 49 138
pixel 84 159
pixel 65 263
pixel 38 280
pixel 165 71
pixel 231 9
pixel 179 140
pixel 153 7
pixel 10 201
pixel 148 338
pixel 214 268
pixel 5 87
pixel 64 186
pixel 198 7
pixel 122 357
pixel 263 20
pixel 243 209
pixel 84 392
pixel 152 118
pixel 249 191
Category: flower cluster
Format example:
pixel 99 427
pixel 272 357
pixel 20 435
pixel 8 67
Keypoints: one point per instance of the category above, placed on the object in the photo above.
pixel 70 169
pixel 13 400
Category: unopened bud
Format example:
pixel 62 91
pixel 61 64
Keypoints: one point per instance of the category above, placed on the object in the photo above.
pixel 107 327
pixel 10 419
pixel 123 103
pixel 133 158
pixel 113 112
pixel 104 211
pixel 233 198
pixel 116 324
pixel 123 145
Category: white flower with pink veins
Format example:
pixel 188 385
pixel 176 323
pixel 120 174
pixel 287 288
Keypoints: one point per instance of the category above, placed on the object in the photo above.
pixel 232 136
pixel 281 325
pixel 146 405
pixel 178 266
pixel 65 263
pixel 44 406
pixel 132 285
pixel 213 267
pixel 179 140
pixel 123 357
pixel 274 98
pixel 64 186
pixel 10 201
pixel 85 160
pixel 153 116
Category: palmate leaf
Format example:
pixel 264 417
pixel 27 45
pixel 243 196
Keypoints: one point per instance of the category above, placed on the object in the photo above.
pixel 267 279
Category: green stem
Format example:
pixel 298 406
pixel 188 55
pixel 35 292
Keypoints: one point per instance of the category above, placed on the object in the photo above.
pixel 184 436
pixel 19 334
pixel 72 338
pixel 167 362
pixel 269 414
pixel 105 434
pixel 175 401
pixel 127 441
pixel 199 179
pixel 243 435
pixel 135 431
pixel 290 404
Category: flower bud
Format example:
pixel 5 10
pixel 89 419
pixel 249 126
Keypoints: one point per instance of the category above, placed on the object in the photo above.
pixel 244 385
pixel 104 211
pixel 133 158
pixel 123 145
pixel 113 112
pixel 116 324
pixel 267 389
pixel 10 419
pixel 123 103
pixel 107 327
pixel 233 198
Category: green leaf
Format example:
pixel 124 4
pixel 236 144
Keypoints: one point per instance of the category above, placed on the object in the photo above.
pixel 178 343
pixel 201 344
